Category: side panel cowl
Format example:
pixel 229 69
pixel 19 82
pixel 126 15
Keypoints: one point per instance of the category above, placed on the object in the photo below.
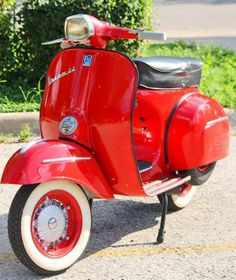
pixel 198 133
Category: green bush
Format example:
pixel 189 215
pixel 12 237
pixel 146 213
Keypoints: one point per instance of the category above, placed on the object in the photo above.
pixel 43 20
pixel 218 79
pixel 6 36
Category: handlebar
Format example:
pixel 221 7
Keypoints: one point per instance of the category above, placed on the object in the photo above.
pixel 150 35
pixel 146 35
pixel 100 33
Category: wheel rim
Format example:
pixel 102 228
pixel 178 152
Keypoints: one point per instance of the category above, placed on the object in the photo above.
pixel 56 223
pixel 185 190
pixel 204 168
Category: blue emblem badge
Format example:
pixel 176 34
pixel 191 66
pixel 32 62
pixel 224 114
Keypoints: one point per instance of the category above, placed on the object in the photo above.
pixel 87 60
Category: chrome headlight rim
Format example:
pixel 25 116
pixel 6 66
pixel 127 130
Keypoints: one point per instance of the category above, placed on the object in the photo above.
pixel 88 22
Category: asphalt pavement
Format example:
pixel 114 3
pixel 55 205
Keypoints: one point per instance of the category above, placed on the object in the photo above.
pixel 200 240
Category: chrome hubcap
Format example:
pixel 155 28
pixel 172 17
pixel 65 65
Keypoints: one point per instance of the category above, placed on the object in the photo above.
pixel 51 223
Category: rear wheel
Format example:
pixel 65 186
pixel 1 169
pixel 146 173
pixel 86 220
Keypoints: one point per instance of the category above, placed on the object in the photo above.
pixel 49 225
pixel 199 175
pixel 180 200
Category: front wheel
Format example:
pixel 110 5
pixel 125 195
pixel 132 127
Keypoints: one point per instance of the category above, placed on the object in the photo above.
pixel 49 226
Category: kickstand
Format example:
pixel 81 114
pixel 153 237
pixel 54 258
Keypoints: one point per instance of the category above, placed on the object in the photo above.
pixel 160 237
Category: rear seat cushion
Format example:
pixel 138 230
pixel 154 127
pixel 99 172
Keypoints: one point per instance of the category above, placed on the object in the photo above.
pixel 168 72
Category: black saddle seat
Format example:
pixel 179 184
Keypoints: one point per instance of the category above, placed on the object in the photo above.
pixel 168 72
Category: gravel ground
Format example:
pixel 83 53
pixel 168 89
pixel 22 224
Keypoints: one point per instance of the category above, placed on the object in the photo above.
pixel 200 240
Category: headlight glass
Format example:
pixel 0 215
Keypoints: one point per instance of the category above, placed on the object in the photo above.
pixel 78 27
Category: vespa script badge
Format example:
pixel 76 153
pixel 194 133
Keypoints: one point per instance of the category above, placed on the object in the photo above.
pixel 60 75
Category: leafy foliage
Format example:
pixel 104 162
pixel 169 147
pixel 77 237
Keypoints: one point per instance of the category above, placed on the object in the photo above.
pixel 6 37
pixel 24 60
pixel 41 20
pixel 219 71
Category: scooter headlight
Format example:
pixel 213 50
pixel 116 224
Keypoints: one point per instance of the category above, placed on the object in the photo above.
pixel 78 27
pixel 68 125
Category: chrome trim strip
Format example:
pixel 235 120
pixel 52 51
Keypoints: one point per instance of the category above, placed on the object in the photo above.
pixel 158 187
pixel 29 145
pixel 165 88
pixel 159 183
pixel 64 159
pixel 146 169
pixel 152 35
pixel 208 124
pixel 56 41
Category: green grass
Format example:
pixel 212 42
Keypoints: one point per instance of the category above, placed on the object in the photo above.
pixel 218 77
pixel 219 72
pixel 22 136
pixel 6 138
pixel 19 107
pixel 25 133
pixel 19 98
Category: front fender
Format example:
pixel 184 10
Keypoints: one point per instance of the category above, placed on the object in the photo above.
pixel 48 160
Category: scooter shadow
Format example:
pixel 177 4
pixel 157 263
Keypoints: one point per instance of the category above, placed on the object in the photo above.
pixel 10 266
pixel 113 220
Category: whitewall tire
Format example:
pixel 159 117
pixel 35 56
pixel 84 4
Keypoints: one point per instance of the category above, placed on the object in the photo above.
pixel 49 225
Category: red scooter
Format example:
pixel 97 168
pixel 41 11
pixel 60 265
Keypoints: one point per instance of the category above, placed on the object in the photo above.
pixel 110 125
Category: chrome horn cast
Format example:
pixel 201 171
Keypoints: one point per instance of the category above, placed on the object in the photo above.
pixel 50 223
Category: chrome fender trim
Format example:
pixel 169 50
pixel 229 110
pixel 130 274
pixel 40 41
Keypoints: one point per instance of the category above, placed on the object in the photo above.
pixel 65 159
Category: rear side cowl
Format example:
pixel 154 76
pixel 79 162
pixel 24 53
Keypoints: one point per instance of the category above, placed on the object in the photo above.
pixel 198 133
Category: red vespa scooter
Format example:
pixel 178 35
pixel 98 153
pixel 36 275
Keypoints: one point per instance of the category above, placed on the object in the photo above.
pixel 110 125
